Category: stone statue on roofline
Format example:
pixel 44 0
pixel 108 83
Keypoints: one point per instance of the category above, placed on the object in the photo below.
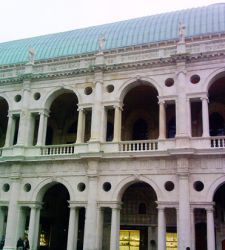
pixel 31 55
pixel 101 42
pixel 182 29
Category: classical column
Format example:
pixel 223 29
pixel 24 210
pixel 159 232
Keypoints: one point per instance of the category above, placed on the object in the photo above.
pixel 12 219
pixel 25 117
pixel 80 126
pixel 99 229
pixel 21 222
pixel 193 228
pixel 117 124
pixel 33 231
pixel 115 228
pixel 42 129
pixel 73 229
pixel 184 220
pixel 210 229
pixel 161 228
pixel 181 106
pixel 162 120
pixel 9 132
pixel 96 125
pixel 91 210
pixel 205 116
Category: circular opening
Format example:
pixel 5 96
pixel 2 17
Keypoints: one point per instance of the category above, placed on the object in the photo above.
pixel 198 186
pixel 37 96
pixel 17 98
pixel 88 90
pixel 169 82
pixel 195 79
pixel 110 88
pixel 27 187
pixel 6 187
pixel 107 186
pixel 81 186
pixel 169 186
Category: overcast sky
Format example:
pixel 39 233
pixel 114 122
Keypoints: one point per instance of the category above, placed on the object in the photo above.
pixel 27 18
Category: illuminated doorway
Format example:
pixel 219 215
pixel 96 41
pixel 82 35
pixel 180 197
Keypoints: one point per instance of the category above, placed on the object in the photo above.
pixel 171 241
pixel 129 239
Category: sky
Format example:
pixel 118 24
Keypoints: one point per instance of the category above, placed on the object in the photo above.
pixel 27 18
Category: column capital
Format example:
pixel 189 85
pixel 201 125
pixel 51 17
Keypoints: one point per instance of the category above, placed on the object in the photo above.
pixel 118 106
pixel 116 205
pixel 44 112
pixel 161 207
pixel 202 98
pixel 77 204
pixel 210 207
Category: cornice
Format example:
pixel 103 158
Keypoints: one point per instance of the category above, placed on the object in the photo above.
pixel 107 68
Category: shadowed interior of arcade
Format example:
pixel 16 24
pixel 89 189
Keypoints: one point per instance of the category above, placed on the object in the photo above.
pixel 54 219
pixel 140 115
pixel 139 221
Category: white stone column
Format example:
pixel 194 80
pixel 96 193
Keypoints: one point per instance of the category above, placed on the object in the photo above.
pixel 99 229
pixel 25 117
pixel 73 229
pixel 21 222
pixel 9 132
pixel 91 210
pixel 184 220
pixel 80 126
pixel 117 124
pixel 205 117
pixel 42 129
pixel 96 125
pixel 210 229
pixel 115 228
pixel 181 106
pixel 162 120
pixel 12 219
pixel 161 228
pixel 33 232
pixel 193 228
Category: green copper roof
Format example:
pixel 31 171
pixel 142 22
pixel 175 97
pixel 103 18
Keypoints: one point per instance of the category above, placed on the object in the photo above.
pixel 150 29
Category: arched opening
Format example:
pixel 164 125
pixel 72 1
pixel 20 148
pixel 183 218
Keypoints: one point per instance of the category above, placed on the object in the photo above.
pixel 4 120
pixel 217 124
pixel 138 225
pixel 54 219
pixel 140 116
pixel 217 107
pixel 62 122
pixel 219 216
pixel 140 130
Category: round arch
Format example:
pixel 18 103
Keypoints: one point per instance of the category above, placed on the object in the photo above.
pixel 214 187
pixel 215 75
pixel 134 82
pixel 6 99
pixel 126 182
pixel 57 92
pixel 44 185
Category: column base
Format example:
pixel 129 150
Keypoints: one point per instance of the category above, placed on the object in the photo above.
pixel 182 141
pixel 94 146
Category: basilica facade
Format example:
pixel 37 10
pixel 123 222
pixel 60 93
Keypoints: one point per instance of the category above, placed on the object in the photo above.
pixel 113 137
